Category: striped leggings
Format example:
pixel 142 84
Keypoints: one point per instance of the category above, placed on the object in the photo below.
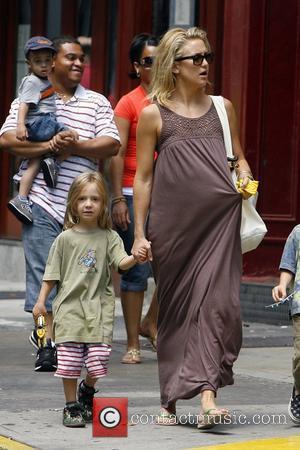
pixel 72 356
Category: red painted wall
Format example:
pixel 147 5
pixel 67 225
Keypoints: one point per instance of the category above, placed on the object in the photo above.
pixel 261 75
pixel 257 45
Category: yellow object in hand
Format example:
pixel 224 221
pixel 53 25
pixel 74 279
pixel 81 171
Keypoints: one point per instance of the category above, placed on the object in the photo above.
pixel 41 331
pixel 250 188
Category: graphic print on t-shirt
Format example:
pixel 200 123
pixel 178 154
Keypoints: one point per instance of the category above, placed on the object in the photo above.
pixel 88 261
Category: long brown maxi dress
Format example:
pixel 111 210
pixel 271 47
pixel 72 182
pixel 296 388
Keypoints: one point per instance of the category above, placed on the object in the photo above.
pixel 193 224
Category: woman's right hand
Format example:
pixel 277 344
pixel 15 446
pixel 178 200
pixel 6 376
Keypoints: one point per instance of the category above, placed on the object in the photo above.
pixel 120 215
pixel 138 248
pixel 39 309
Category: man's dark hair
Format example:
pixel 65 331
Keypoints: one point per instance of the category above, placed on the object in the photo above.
pixel 61 40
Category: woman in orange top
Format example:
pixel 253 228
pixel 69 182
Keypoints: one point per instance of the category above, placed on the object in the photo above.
pixel 123 167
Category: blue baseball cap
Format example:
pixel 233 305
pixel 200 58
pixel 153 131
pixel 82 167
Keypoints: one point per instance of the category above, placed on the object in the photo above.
pixel 38 43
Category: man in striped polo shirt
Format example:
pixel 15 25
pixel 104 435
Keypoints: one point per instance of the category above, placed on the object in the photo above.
pixel 91 115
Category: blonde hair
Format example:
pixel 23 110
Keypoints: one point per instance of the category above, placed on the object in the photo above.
pixel 169 48
pixel 79 183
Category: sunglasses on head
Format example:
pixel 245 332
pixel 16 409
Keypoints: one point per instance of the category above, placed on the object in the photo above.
pixel 198 58
pixel 147 61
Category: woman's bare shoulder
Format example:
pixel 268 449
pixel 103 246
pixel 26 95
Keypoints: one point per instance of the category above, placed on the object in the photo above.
pixel 228 104
pixel 229 109
pixel 150 112
pixel 150 119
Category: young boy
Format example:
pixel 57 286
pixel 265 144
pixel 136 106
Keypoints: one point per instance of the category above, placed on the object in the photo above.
pixel 37 121
pixel 290 271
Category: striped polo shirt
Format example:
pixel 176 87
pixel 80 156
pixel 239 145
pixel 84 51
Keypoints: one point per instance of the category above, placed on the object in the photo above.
pixel 91 115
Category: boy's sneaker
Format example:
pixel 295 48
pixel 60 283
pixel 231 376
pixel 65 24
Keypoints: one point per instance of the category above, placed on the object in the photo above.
pixel 33 339
pixel 85 398
pixel 50 169
pixel 21 209
pixel 294 407
pixel 46 358
pixel 72 416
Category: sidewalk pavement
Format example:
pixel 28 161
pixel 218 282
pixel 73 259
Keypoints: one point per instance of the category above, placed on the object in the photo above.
pixel 31 403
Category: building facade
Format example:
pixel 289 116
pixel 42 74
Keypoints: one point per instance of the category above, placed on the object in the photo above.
pixel 257 66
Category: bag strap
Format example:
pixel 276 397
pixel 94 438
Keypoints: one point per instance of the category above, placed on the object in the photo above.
pixel 218 102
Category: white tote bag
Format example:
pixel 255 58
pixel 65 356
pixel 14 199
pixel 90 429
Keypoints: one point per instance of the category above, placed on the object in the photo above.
pixel 253 228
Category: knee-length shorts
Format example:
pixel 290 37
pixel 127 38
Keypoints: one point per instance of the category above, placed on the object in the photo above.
pixel 72 357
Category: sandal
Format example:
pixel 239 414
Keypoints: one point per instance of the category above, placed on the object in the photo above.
pixel 132 357
pixel 151 339
pixel 212 417
pixel 166 418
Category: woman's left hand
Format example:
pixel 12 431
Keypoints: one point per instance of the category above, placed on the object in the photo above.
pixel 244 180
pixel 141 250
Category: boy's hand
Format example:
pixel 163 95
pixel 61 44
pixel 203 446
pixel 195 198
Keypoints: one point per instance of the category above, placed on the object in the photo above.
pixel 39 309
pixel 279 292
pixel 22 133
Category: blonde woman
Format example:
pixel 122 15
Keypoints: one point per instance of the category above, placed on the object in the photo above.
pixel 193 226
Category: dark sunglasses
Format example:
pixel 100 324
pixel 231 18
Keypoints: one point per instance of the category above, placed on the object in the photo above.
pixel 147 61
pixel 198 58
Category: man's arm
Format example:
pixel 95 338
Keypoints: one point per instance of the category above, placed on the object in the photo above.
pixel 9 141
pixel 106 141
pixel 104 144
pixel 25 149
pixel 99 147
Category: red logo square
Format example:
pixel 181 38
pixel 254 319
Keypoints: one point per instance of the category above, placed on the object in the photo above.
pixel 110 417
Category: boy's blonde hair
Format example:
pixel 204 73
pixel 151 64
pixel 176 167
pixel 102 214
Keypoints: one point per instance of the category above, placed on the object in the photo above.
pixel 79 183
pixel 169 48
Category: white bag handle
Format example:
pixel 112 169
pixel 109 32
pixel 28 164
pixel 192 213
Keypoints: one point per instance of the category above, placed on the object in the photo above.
pixel 218 101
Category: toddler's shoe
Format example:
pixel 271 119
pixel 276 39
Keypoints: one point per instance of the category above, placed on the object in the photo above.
pixel 50 168
pixel 85 398
pixel 72 416
pixel 20 207
pixel 33 339
pixel 46 360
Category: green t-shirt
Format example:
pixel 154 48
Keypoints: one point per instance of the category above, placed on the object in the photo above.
pixel 83 310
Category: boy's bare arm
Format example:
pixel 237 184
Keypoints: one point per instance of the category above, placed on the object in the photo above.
pixel 279 291
pixel 39 307
pixel 22 133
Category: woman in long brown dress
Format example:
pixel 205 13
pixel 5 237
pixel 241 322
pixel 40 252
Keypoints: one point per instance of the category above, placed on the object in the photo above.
pixel 192 228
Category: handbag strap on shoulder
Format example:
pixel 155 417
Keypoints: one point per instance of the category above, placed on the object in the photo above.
pixel 218 102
